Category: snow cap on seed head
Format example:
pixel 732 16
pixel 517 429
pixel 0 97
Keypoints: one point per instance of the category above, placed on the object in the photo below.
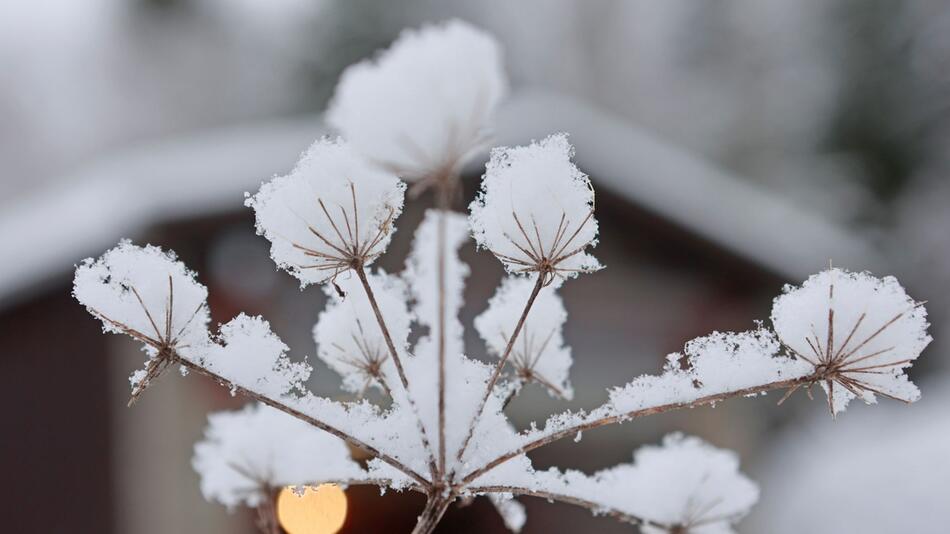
pixel 333 209
pixel 859 332
pixel 535 210
pixel 425 105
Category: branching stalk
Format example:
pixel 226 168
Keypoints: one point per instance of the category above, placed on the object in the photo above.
pixel 597 508
pixel 432 513
pixel 267 520
pixel 441 327
pixel 619 418
pixel 371 296
pixel 369 449
pixel 501 362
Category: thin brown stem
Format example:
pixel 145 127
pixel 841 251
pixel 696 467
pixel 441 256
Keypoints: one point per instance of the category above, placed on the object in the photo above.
pixel 501 362
pixel 441 327
pixel 432 514
pixel 371 296
pixel 595 507
pixel 369 449
pixel 619 418
pixel 267 520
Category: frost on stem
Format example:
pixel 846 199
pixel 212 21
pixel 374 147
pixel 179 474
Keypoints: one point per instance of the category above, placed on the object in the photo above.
pixel 857 332
pixel 150 295
pixel 710 365
pixel 348 338
pixel 334 211
pixel 425 105
pixel 535 210
pixel 539 354
pixel 249 452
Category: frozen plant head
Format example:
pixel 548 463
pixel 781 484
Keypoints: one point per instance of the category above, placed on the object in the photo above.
pixel 246 454
pixel 348 338
pixel 423 107
pixel 535 210
pixel 333 212
pixel 858 332
pixel 539 355
pixel 686 486
pixel 151 296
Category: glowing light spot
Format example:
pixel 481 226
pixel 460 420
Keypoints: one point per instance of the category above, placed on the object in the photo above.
pixel 320 510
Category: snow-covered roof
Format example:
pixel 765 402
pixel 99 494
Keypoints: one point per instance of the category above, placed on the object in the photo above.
pixel 44 234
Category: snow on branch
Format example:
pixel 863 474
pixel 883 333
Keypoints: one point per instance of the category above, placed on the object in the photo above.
pixel 719 363
pixel 425 105
pixel 535 210
pixel 539 355
pixel 727 365
pixel 332 212
pixel 251 356
pixel 249 452
pixel 132 289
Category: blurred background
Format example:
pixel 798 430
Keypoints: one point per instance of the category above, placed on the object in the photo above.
pixel 735 145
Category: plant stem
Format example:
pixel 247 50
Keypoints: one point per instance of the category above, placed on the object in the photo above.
pixel 597 508
pixel 267 520
pixel 373 451
pixel 441 326
pixel 361 273
pixel 619 418
pixel 371 296
pixel 443 201
pixel 501 362
pixel 432 514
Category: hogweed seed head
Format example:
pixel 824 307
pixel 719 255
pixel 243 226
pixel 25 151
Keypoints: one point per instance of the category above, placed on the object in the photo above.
pixel 424 106
pixel 333 212
pixel 535 210
pixel 858 332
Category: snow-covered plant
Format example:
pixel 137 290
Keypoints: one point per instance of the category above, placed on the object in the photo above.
pixel 441 429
